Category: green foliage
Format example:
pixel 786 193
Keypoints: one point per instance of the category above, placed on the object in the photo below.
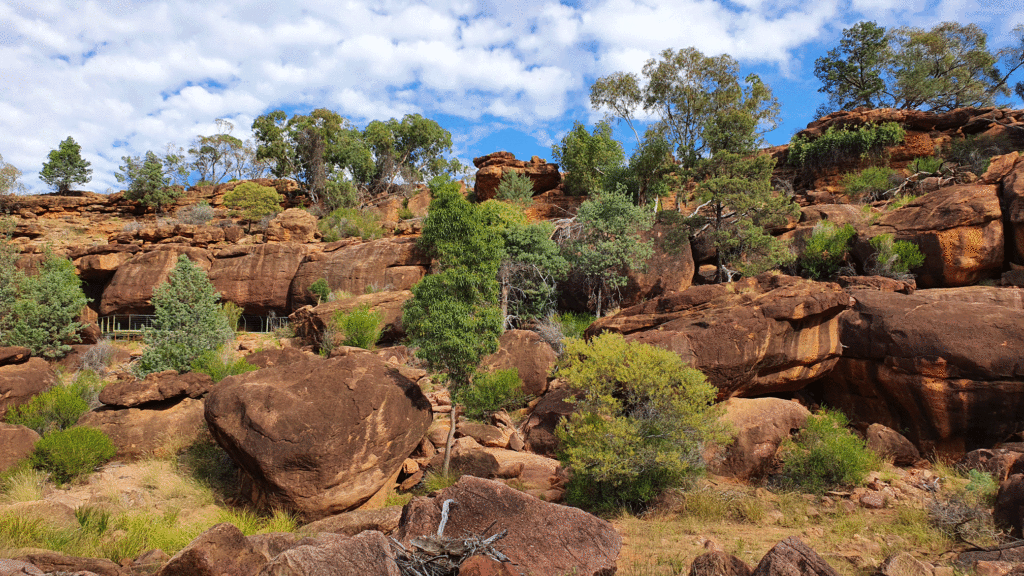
pixel 361 326
pixel 412 148
pixel 147 182
pixel 585 157
pixel 868 183
pixel 232 313
pixel 340 194
pixel 826 249
pixel 196 214
pixel 57 408
pixel 826 454
pixel 187 321
pixel 253 201
pixel 351 222
pixel 66 167
pixel 529 271
pixel 975 152
pixel 894 258
pixel 67 454
pixel 321 289
pixel 221 363
pixel 9 176
pixel 515 187
pixel 851 74
pixel 42 309
pixel 220 155
pixel 640 426
pixel 925 164
pixel 501 215
pixel 844 144
pixel 492 391
pixel 574 324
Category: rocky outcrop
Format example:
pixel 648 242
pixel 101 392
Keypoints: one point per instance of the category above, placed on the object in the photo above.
pixel 56 563
pixel 669 269
pixel 139 433
pixel 792 557
pixel 257 277
pixel 156 387
pixel 220 551
pixel 20 382
pixel 360 555
pixel 492 167
pixel 131 288
pixel 99 263
pixel 1011 195
pixel 948 372
pixel 525 351
pixel 310 322
pixel 539 429
pixel 758 336
pixel 760 425
pixel 292 225
pixel 318 437
pixel 1009 508
pixel 351 523
pixel 16 444
pixel 542 538
pixel 391 264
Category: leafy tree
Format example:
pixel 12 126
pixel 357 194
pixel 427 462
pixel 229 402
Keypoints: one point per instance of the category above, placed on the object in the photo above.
pixel 851 74
pixel 646 174
pixel 147 182
pixel 66 167
pixel 412 149
pixel 187 321
pixel 43 315
pixel 587 158
pixel 253 201
pixel 9 175
pixel 606 242
pixel 530 269
pixel 639 427
pixel 214 157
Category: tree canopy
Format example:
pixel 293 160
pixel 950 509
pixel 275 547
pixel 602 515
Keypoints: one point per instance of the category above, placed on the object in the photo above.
pixel 66 167
pixel 587 158
pixel 9 176
pixel 413 149
pixel 147 181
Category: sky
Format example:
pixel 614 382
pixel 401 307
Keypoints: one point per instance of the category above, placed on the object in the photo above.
pixel 123 77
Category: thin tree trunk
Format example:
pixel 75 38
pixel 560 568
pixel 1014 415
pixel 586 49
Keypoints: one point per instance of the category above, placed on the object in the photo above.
pixel 451 439
pixel 599 301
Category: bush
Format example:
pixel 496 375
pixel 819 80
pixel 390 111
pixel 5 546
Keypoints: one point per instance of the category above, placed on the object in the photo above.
pixel 98 357
pixel 43 314
pixel 843 144
pixel 232 313
pixel 253 201
pixel 975 152
pixel 871 182
pixel 557 328
pixel 197 214
pixel 493 391
pixel 57 408
pixel 67 454
pixel 894 258
pixel 826 249
pixel 515 187
pixel 361 326
pixel 351 222
pixel 221 363
pixel 640 426
pixel 340 194
pixel 825 454
pixel 321 290
pixel 926 164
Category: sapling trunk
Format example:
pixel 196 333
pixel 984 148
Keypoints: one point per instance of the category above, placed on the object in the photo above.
pixel 451 439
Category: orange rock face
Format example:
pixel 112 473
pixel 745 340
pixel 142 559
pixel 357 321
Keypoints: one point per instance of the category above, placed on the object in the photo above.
pixel 492 167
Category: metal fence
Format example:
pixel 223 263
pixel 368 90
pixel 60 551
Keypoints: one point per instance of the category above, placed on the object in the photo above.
pixel 131 325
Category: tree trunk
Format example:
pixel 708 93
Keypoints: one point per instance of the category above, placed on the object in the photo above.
pixel 598 314
pixel 451 439
pixel 504 303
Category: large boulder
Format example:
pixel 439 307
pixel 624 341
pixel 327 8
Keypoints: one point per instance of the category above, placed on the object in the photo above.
pixel 669 269
pixel 1009 508
pixel 360 555
pixel 220 551
pixel 1012 201
pixel 20 382
pixel 539 429
pixel 99 263
pixel 525 351
pixel 156 387
pixel 292 225
pixel 257 277
pixel 310 322
pixel 492 167
pixel 140 433
pixel 891 445
pixel 389 264
pixel 57 563
pixel 947 372
pixel 543 538
pixel 384 520
pixel 16 444
pixel 760 426
pixel 761 335
pixel 792 557
pixel 131 288
pixel 318 437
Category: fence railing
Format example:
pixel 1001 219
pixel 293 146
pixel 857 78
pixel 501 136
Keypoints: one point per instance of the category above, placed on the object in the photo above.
pixel 131 325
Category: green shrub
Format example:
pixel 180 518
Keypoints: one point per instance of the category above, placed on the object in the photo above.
pixel 340 194
pixel 221 363
pixel 926 164
pixel 515 187
pixel 196 214
pixel 826 249
pixel 321 289
pixel 894 258
pixel 351 222
pixel 361 326
pixel 901 201
pixel 826 454
pixel 871 182
pixel 843 144
pixel 67 454
pixel 640 425
pixel 232 313
pixel 492 391
pixel 404 213
pixel 574 324
pixel 43 313
pixel 59 407
pixel 253 201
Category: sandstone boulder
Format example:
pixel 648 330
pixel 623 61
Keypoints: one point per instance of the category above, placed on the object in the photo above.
pixel 131 288
pixel 525 351
pixel 257 277
pixel 292 225
pixel 1012 202
pixel 718 563
pixel 539 430
pixel 360 555
pixel 998 462
pixel 481 565
pixel 277 357
pixel 220 551
pixel 20 382
pixel 889 443
pixel 669 269
pixel 99 263
pixel 1009 509
pixel 56 563
pixel 761 335
pixel 310 322
pixel 156 387
pixel 384 520
pixel 138 433
pixel 16 444
pixel 760 425
pixel 492 167
pixel 14 355
pixel 318 437
pixel 10 567
pixel 543 538
pixel 792 557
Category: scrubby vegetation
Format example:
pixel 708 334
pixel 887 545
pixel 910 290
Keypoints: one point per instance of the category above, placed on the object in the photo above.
pixel 350 223
pixel 69 453
pixel 493 391
pixel 839 145
pixel 221 363
pixel 59 407
pixel 826 249
pixel 825 454
pixel 515 187
pixel 869 183
pixel 360 326
pixel 894 258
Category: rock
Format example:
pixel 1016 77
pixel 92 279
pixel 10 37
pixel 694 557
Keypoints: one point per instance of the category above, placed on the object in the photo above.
pixel 998 462
pixel 273 543
pixel 131 288
pixel 758 336
pixel 669 269
pixel 484 566
pixel 987 568
pixel 333 555
pixel 16 444
pixel 908 365
pixel 998 168
pixel 102 267
pixel 235 272
pixel 544 418
pixel 383 520
pixel 485 434
pixel 903 564
pixel 542 538
pixel 1012 298
pixel 148 562
pixel 1012 202
pixel 1006 553
pixel 1009 509
pixel 318 437
pixel 959 229
pixel 873 500
pixel 19 568
pixel 140 433
pixel 277 357
pixel 50 562
pixel 791 557
pixel 525 351
pixel 14 355
pixel 309 322
pixel 889 443
pixel 220 551
pixel 718 563
pixel 880 283
pixel 492 167
pixel 292 225
pixel 20 382
pixel 389 264
pixel 156 387
pixel 760 425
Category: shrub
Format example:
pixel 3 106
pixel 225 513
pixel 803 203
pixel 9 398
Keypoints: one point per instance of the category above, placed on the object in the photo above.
pixel 340 194
pixel 98 357
pixel 826 249
pixel 67 454
pixel 639 427
pixel 871 182
pixel 232 313
pixel 404 213
pixel 492 391
pixel 321 290
pixel 515 187
pixel 361 326
pixel 253 201
pixel 825 454
pixel 926 164
pixel 221 363
pixel 351 222
pixel 197 214
pixel 59 407
pixel 844 144
pixel 43 314
pixel 975 152
pixel 894 258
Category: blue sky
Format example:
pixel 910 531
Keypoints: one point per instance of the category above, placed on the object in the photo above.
pixel 124 77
